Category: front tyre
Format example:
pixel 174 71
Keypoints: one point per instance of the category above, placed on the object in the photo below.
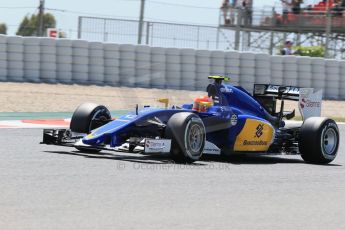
pixel 319 140
pixel 188 135
pixel 86 117
pixel 89 116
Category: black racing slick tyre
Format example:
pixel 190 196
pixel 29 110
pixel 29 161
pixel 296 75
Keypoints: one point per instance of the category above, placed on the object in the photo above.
pixel 87 117
pixel 319 140
pixel 188 135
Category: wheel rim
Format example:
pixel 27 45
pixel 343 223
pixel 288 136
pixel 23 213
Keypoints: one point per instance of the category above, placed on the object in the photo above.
pixel 98 115
pixel 329 141
pixel 195 139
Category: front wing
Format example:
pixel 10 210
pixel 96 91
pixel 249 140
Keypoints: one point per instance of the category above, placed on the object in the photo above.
pixel 64 137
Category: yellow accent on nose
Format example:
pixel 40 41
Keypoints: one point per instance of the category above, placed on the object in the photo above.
pixel 165 101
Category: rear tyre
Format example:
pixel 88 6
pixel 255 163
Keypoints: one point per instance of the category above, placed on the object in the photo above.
pixel 188 135
pixel 87 117
pixel 319 140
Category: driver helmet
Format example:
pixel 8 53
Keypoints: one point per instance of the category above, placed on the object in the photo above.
pixel 201 104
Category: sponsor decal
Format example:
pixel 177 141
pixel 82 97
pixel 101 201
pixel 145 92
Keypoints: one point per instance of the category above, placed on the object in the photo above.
pixel 332 125
pixel 226 90
pixel 310 103
pixel 255 136
pixel 196 119
pixel 245 142
pixel 157 145
pixel 289 89
pixel 233 120
pixel 211 148
pixel 259 130
pixel 154 145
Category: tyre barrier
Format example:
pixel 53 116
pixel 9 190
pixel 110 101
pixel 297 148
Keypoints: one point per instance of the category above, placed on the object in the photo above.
pixel 342 81
pixel 173 68
pixel 188 69
pixel 319 73
pixel 80 63
pixel 111 64
pixel 158 68
pixel 3 58
pixel 203 68
pixel 277 70
pixel 333 79
pixel 127 65
pixel 290 70
pixel 49 60
pixel 217 63
pixel 64 61
pixel 304 69
pixel 143 75
pixel 262 69
pixel 247 71
pixel 96 63
pixel 15 58
pixel 32 59
pixel 232 66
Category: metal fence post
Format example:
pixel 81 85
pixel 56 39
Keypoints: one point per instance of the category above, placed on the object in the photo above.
pixel 198 38
pixel 104 30
pixel 147 33
pixel 79 26
pixel 217 41
pixel 328 32
pixel 238 29
pixel 152 30
pixel 273 21
pixel 141 21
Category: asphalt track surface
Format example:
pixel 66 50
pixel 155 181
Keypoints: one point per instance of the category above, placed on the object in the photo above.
pixel 50 187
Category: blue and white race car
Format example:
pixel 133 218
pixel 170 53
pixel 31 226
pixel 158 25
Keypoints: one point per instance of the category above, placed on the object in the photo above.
pixel 228 120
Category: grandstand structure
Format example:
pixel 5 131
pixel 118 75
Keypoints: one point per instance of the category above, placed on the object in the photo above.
pixel 321 24
pixel 264 30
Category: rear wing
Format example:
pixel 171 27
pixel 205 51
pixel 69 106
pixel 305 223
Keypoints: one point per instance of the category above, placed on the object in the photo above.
pixel 290 92
pixel 309 102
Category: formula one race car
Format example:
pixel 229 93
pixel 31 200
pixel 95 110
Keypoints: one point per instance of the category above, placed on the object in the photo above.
pixel 227 121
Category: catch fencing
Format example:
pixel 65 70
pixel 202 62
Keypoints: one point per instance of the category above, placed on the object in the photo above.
pixel 155 33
